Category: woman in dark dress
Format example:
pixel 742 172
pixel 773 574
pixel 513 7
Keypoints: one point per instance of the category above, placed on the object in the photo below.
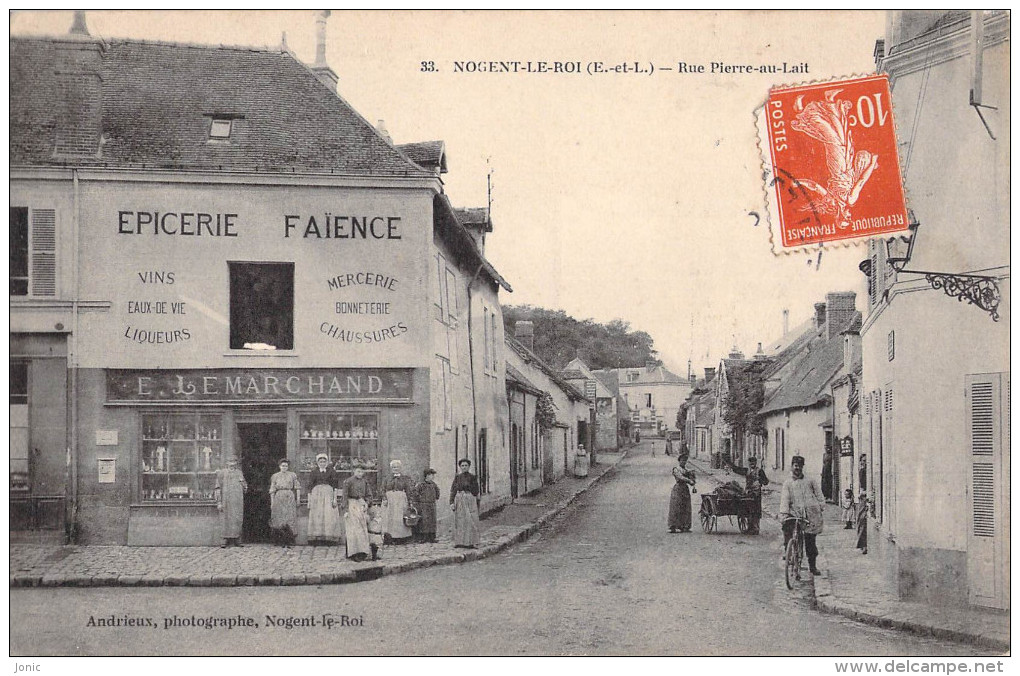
pixel 679 518
pixel 426 494
pixel 464 500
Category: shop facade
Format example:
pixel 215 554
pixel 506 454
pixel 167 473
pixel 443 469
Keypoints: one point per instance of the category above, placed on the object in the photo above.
pixel 250 282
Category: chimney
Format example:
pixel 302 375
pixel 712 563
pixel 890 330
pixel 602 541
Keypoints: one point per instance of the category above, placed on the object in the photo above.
pixel 819 315
pixel 380 126
pixel 77 72
pixel 786 322
pixel 690 371
pixel 320 67
pixel 841 309
pixel 735 353
pixel 709 373
pixel 524 332
pixel 851 349
pixel 760 354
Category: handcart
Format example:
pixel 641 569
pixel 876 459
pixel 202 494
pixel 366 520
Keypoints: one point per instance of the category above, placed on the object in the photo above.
pixel 714 505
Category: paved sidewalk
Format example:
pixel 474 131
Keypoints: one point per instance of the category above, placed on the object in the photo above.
pixel 854 585
pixel 260 564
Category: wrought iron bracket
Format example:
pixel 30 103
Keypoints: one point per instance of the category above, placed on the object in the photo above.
pixel 980 290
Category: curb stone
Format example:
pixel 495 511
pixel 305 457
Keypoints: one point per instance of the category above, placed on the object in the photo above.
pixel 365 573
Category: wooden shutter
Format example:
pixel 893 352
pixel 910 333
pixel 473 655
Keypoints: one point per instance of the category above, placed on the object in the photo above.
pixel 43 246
pixel 987 541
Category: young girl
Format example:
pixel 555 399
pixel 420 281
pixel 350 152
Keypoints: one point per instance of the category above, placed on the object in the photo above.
pixel 849 508
pixel 375 530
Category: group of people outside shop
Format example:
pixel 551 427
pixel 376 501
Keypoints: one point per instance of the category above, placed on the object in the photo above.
pixel 403 511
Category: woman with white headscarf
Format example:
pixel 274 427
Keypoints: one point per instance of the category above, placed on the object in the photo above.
pixel 323 516
pixel 398 490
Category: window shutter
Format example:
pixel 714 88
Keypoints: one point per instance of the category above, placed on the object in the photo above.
pixel 987 411
pixel 44 252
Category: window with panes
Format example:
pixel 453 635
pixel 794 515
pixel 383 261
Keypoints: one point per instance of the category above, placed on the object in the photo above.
pixel 181 453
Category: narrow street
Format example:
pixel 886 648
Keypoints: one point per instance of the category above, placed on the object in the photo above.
pixel 605 577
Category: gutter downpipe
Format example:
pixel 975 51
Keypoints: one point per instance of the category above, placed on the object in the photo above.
pixel 72 454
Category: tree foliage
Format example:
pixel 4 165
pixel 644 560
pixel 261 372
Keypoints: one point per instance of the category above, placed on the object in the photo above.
pixel 559 338
pixel 744 399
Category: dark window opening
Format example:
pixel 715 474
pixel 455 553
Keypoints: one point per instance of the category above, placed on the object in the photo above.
pixel 19 382
pixel 261 306
pixel 19 251
pixel 483 462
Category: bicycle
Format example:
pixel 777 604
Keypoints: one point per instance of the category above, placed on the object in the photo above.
pixel 794 550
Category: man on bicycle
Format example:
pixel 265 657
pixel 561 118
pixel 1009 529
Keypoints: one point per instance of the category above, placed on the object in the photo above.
pixel 802 498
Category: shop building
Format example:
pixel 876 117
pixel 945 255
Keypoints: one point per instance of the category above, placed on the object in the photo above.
pixel 238 265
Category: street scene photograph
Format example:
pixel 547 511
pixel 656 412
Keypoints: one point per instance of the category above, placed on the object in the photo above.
pixel 342 333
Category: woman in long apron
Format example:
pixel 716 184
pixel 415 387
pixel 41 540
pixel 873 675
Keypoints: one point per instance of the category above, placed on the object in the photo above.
pixel 679 518
pixel 357 492
pixel 283 490
pixel 397 491
pixel 230 490
pixel 323 517
pixel 464 500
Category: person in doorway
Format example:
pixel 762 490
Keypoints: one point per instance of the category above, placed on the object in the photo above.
pixel 827 476
pixel 323 517
pixel 862 473
pixel 679 517
pixel 802 498
pixel 230 489
pixel 863 504
pixel 398 495
pixel 465 502
pixel 357 491
pixel 754 479
pixel 426 494
pixel 283 496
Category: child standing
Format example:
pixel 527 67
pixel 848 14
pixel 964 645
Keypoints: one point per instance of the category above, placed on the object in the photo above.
pixel 849 508
pixel 375 530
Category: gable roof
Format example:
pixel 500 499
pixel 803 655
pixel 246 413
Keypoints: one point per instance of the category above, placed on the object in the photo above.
pixel 516 379
pixel 150 104
pixel 649 375
pixel 530 357
pixel 812 370
pixel 475 217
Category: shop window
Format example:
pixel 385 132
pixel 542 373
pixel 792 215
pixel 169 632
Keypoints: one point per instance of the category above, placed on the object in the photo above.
pixel 20 482
pixel 261 306
pixel 180 455
pixel 344 437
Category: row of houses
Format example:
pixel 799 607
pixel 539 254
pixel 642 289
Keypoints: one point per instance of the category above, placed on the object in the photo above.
pixel 907 400
pixel 214 256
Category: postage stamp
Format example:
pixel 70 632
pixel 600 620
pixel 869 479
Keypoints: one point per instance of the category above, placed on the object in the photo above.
pixel 831 167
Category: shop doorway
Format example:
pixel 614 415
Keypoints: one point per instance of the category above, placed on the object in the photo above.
pixel 261 446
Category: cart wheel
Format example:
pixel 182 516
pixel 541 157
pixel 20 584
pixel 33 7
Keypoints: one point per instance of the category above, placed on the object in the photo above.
pixel 742 523
pixel 706 521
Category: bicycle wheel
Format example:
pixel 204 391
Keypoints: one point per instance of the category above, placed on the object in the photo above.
pixel 792 563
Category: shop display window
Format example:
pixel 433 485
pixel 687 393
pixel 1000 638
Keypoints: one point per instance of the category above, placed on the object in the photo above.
pixel 180 455
pixel 344 437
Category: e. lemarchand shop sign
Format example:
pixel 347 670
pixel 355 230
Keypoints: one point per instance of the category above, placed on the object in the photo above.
pixel 257 386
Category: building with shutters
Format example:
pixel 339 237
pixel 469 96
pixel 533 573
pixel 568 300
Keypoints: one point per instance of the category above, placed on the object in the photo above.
pixel 214 256
pixel 935 391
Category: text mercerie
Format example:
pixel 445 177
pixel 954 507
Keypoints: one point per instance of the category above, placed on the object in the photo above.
pixel 330 226
pixel 176 223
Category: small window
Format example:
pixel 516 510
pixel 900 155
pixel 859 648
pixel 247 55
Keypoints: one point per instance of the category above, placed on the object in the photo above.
pixel 220 128
pixel 648 401
pixel 261 306
pixel 19 251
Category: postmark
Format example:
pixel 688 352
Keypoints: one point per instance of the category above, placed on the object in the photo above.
pixel 830 163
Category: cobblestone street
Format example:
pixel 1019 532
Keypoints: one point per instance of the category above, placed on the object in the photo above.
pixel 604 577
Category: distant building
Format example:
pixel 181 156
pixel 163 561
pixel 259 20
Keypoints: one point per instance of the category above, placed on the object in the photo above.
pixel 653 395
pixel 610 408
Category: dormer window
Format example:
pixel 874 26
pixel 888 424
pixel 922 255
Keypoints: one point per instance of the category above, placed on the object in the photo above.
pixel 220 128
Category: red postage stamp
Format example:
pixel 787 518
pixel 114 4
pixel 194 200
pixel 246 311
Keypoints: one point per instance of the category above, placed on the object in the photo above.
pixel 831 165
